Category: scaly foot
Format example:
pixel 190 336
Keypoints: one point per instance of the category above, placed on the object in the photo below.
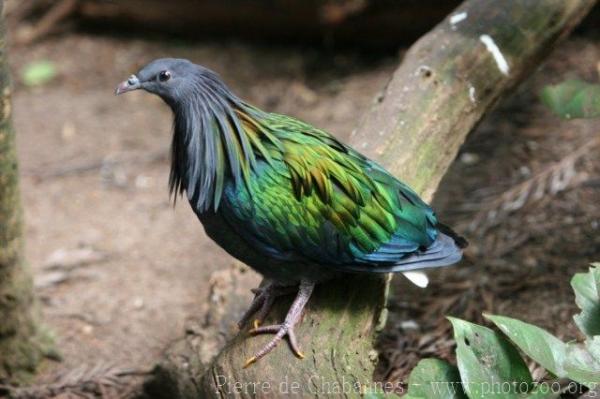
pixel 287 328
pixel 264 298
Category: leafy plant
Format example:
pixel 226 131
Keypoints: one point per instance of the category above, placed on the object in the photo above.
pixel 436 379
pixel 379 395
pixel 573 99
pixel 489 364
pixel 38 73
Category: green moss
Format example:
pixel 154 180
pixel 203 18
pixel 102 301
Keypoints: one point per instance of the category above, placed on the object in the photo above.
pixel 22 343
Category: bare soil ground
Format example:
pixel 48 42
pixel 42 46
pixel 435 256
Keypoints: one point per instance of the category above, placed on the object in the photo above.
pixel 119 269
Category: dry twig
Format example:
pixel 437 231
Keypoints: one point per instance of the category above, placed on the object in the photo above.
pixel 57 13
pixel 94 165
pixel 97 381
pixel 553 179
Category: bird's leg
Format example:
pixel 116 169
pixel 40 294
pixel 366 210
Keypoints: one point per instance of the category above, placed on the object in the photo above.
pixel 287 328
pixel 264 297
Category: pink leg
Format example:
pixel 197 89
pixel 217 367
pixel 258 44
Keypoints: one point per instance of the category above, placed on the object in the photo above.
pixel 264 297
pixel 287 328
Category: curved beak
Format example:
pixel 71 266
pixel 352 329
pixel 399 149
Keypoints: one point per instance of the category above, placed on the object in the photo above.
pixel 133 83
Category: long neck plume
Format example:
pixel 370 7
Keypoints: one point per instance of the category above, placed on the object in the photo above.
pixel 209 143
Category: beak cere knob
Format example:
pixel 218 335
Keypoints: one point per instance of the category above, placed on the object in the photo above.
pixel 133 83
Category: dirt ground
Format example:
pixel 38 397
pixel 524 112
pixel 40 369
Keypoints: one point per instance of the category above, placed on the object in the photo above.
pixel 119 269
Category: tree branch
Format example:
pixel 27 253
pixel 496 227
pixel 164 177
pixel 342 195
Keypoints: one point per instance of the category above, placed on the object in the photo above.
pixel 23 342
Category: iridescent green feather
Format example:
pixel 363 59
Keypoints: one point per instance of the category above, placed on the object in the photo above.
pixel 312 197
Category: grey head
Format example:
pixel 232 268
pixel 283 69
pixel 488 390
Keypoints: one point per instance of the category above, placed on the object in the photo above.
pixel 172 79
pixel 205 121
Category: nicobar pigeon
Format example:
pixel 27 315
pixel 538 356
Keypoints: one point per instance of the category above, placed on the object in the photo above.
pixel 286 198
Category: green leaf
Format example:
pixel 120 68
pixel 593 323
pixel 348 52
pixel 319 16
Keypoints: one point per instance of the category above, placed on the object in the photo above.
pixel 543 347
pixel 563 360
pixel 38 73
pixel 542 391
pixel 593 346
pixel 490 366
pixel 582 366
pixel 435 379
pixel 587 297
pixel 573 99
pixel 380 395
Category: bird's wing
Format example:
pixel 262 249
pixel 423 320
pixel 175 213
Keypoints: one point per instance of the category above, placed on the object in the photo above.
pixel 317 199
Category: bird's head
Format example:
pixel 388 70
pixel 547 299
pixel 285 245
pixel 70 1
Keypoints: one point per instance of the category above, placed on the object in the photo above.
pixel 205 121
pixel 172 79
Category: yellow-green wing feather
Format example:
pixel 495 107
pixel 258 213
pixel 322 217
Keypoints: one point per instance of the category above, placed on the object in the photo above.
pixel 312 197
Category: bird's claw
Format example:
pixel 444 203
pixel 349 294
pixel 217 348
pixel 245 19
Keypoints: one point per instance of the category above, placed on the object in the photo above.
pixel 250 361
pixel 286 328
pixel 264 298
pixel 280 331
pixel 261 303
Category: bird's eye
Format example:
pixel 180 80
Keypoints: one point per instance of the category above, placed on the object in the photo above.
pixel 164 76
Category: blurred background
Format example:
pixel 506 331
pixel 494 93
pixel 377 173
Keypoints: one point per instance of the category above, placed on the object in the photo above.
pixel 121 272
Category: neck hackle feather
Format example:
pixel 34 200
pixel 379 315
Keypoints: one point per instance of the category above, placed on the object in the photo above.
pixel 212 141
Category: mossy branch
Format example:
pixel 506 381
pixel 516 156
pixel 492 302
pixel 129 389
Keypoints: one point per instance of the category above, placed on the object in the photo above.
pixel 22 343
